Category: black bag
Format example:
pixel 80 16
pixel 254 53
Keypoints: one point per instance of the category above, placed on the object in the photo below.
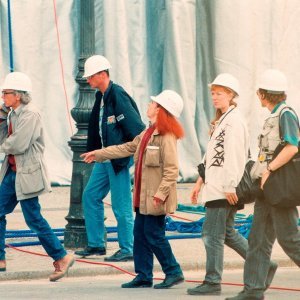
pixel 282 188
pixel 244 189
pixel 201 171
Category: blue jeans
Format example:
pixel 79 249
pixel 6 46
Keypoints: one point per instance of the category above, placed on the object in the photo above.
pixel 149 239
pixel 218 229
pixel 32 214
pixel 103 179
pixel 268 224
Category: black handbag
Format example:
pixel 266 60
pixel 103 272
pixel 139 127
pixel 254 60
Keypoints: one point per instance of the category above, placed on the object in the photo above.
pixel 282 188
pixel 244 189
pixel 201 171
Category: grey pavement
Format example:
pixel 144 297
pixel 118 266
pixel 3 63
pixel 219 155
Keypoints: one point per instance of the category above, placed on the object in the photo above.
pixel 106 287
pixel 190 253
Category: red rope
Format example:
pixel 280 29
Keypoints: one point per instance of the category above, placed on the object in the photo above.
pixel 132 274
pixel 62 67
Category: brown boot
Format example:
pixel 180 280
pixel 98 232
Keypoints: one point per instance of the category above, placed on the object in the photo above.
pixel 61 267
pixel 2 265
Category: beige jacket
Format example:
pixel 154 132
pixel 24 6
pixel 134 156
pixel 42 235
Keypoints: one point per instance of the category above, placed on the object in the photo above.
pixel 159 170
pixel 27 145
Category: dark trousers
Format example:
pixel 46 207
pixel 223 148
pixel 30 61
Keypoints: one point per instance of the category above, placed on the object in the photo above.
pixel 149 239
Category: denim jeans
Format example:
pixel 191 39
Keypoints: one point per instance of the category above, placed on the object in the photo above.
pixel 268 224
pixel 32 214
pixel 103 179
pixel 218 229
pixel 149 239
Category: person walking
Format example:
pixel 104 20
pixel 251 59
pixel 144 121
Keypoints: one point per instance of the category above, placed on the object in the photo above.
pixel 23 175
pixel 225 160
pixel 115 119
pixel 270 222
pixel 156 172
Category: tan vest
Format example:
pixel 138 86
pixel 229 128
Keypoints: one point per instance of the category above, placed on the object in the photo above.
pixel 268 140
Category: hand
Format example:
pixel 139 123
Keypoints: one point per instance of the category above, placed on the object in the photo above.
pixel 195 191
pixel 232 198
pixel 88 157
pixel 157 202
pixel 264 177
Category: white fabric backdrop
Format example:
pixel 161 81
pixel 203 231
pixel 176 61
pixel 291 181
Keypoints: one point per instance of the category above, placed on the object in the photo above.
pixel 154 45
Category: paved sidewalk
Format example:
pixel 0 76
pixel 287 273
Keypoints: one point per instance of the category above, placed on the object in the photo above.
pixel 190 253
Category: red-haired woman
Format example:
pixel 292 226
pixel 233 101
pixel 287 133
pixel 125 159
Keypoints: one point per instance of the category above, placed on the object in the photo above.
pixel 156 172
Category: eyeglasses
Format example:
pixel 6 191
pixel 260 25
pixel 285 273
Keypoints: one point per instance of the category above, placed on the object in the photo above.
pixel 7 93
pixel 90 77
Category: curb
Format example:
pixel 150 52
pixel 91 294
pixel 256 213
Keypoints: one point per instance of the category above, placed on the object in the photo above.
pixel 106 270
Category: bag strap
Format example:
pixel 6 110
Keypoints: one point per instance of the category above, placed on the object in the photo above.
pixel 280 114
pixel 227 113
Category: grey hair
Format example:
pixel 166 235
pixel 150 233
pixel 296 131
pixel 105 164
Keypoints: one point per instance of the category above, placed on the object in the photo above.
pixel 25 97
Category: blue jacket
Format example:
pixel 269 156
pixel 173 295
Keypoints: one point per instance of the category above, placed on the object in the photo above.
pixel 121 122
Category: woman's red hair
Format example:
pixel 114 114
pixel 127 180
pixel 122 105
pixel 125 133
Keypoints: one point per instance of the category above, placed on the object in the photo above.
pixel 167 123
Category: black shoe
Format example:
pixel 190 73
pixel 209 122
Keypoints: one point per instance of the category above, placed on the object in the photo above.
pixel 119 256
pixel 88 251
pixel 206 288
pixel 169 281
pixel 137 283
pixel 246 295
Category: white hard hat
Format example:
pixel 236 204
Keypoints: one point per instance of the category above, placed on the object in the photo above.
pixel 169 100
pixel 95 64
pixel 17 81
pixel 227 80
pixel 273 80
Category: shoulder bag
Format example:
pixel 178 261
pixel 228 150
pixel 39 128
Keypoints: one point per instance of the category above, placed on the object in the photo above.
pixel 282 188
pixel 244 190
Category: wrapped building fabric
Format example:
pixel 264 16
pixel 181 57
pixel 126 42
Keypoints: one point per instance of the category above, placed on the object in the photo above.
pixel 153 45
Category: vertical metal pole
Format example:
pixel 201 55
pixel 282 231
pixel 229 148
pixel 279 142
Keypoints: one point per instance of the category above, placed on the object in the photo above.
pixel 11 56
pixel 75 234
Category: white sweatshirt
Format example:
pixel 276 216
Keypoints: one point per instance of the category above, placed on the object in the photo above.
pixel 226 156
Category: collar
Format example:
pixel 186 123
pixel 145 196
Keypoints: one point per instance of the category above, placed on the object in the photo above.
pixel 230 108
pixel 155 132
pixel 107 90
pixel 18 110
pixel 277 106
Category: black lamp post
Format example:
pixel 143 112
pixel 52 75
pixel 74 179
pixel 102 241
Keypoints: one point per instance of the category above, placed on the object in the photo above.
pixel 75 234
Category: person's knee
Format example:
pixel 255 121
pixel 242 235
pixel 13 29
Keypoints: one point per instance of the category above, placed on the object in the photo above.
pixel 88 199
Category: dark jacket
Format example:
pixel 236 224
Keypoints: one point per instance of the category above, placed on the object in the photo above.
pixel 121 122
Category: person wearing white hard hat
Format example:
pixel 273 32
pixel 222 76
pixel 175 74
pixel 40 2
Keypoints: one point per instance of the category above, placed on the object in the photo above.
pixel 114 119
pixel 271 222
pixel 156 172
pixel 225 160
pixel 23 175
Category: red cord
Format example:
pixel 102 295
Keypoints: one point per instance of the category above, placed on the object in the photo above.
pixel 132 274
pixel 62 67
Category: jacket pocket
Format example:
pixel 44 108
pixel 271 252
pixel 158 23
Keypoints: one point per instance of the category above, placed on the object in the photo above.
pixel 152 156
pixel 155 211
pixel 31 179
